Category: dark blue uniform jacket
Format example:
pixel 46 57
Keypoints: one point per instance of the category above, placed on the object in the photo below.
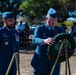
pixel 40 60
pixel 8 46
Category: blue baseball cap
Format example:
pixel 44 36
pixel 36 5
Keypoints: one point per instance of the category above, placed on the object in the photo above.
pixel 8 15
pixel 52 12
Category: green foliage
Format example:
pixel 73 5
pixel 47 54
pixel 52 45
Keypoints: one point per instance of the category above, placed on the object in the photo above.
pixel 68 23
pixel 10 5
pixel 35 8
pixel 38 8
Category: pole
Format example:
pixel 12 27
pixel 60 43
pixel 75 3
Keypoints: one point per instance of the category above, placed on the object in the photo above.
pixel 7 72
pixel 17 62
pixel 56 59
pixel 14 57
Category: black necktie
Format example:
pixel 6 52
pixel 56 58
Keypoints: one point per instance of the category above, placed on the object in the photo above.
pixel 52 34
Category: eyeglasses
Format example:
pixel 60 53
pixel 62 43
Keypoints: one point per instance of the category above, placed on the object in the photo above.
pixel 11 20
